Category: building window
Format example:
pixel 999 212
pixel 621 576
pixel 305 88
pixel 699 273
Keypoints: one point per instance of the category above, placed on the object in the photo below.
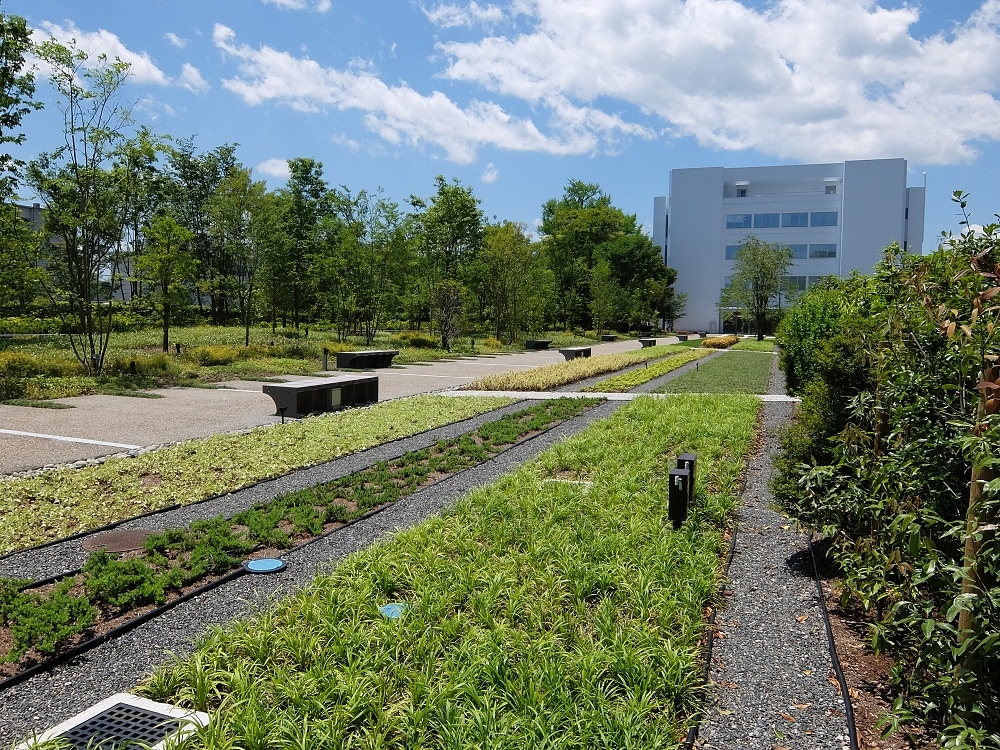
pixel 765 221
pixel 739 221
pixel 831 189
pixel 798 283
pixel 731 251
pixel 800 219
pixel 741 192
pixel 823 250
pixel 823 219
pixel 799 252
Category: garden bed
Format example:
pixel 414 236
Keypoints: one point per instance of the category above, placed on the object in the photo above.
pixel 43 621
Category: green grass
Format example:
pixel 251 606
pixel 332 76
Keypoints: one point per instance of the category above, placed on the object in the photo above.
pixel 61 502
pixel 629 380
pixel 747 372
pixel 752 345
pixel 541 613
pixel 37 404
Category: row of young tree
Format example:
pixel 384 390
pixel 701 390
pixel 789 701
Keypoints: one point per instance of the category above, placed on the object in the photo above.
pixel 895 456
pixel 182 233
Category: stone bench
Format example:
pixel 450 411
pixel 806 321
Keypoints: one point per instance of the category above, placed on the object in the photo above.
pixel 537 344
pixel 645 343
pixel 572 352
pixel 609 337
pixel 367 359
pixel 322 395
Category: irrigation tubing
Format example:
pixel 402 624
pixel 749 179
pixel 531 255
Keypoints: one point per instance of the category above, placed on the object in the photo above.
pixel 852 729
pixel 124 628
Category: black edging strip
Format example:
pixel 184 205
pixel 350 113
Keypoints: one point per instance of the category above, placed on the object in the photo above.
pixel 852 730
pixel 124 628
pixel 168 508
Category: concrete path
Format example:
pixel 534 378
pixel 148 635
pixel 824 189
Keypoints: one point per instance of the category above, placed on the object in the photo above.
pixel 32 438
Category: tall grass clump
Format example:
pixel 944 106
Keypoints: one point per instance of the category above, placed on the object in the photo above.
pixel 629 380
pixel 564 373
pixel 540 612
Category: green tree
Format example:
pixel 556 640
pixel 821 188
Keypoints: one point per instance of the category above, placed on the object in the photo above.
pixel 307 202
pixel 17 87
pixel 758 280
pixel 374 255
pixel 167 267
pixel 88 187
pixel 448 308
pixel 513 279
pixel 607 297
pixel 573 228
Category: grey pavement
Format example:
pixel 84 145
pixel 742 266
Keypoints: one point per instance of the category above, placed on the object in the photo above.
pixel 32 438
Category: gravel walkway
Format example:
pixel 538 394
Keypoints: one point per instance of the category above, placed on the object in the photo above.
pixel 772 675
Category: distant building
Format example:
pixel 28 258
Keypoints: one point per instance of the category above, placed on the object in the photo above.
pixel 31 214
pixel 836 218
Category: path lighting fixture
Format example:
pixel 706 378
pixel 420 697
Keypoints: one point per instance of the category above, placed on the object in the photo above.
pixel 688 461
pixel 677 496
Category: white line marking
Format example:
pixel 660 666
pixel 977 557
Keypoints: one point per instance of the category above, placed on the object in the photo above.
pixel 64 439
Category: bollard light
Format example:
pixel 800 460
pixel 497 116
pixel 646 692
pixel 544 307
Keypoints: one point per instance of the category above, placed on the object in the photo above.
pixel 688 461
pixel 677 496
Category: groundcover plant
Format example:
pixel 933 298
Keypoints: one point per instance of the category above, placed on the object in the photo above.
pixel 732 372
pixel 58 503
pixel 110 586
pixel 629 380
pixel 564 373
pixel 556 608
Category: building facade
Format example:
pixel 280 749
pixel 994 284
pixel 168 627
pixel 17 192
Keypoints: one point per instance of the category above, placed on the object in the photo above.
pixel 836 218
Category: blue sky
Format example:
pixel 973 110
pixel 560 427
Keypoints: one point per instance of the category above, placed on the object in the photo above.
pixel 516 98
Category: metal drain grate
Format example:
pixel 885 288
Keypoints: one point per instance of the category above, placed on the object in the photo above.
pixel 119 727
pixel 124 722
pixel 121 540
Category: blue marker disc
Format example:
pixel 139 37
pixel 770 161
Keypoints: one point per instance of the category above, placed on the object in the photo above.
pixel 265 565
pixel 393 610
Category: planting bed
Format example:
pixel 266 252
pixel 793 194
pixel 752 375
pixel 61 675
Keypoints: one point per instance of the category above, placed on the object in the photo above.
pixel 40 621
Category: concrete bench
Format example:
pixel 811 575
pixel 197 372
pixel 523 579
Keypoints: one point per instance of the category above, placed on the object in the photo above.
pixel 645 343
pixel 572 352
pixel 363 360
pixel 682 337
pixel 536 344
pixel 609 337
pixel 322 395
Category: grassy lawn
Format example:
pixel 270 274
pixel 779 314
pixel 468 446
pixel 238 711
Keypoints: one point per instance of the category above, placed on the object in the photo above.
pixel 64 501
pixel 538 613
pixel 746 372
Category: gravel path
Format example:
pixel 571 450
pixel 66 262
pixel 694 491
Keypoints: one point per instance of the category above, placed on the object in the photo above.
pixel 773 680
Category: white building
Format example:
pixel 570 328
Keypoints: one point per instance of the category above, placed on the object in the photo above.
pixel 836 218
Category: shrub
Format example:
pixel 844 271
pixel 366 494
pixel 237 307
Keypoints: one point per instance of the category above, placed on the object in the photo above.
pixel 415 339
pixel 491 343
pixel 720 342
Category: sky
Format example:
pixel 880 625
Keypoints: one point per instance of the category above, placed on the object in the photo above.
pixel 514 99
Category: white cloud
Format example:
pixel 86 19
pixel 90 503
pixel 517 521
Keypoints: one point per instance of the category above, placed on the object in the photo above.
pixel 175 40
pixel 102 42
pixel 191 79
pixel 491 174
pixel 403 116
pixel 807 79
pixel 320 6
pixel 274 168
pixel 449 15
